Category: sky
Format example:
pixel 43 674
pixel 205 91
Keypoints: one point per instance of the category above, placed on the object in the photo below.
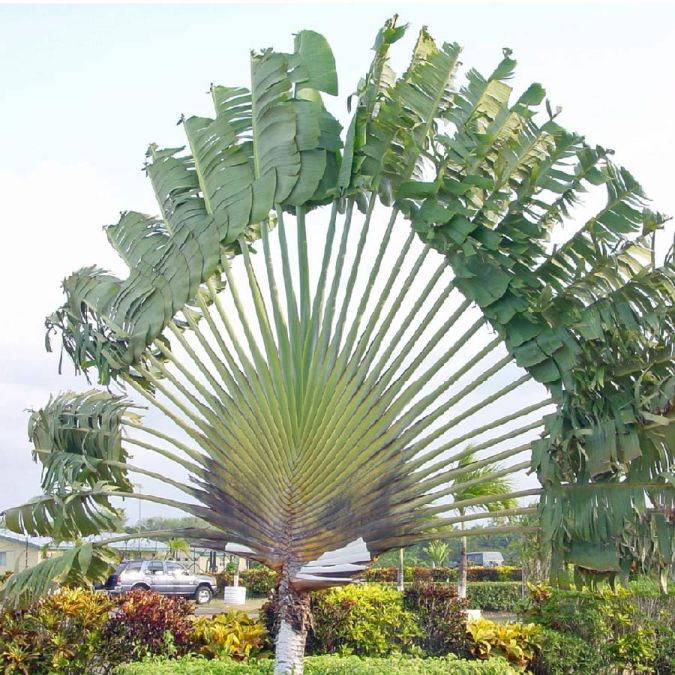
pixel 85 89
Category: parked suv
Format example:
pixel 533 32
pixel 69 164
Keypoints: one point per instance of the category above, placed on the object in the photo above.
pixel 164 576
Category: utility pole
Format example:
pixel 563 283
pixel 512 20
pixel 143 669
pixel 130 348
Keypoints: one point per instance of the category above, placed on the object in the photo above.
pixel 139 489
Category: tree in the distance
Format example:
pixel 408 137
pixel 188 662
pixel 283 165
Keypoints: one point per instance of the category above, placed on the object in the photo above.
pixel 438 552
pixel 529 554
pixel 176 547
pixel 479 481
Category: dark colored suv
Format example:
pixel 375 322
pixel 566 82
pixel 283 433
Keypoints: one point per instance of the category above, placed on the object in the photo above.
pixel 164 576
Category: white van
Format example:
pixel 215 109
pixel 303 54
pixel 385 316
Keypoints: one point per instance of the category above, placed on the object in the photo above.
pixel 485 558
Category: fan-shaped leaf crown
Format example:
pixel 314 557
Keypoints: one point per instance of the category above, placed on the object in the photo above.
pixel 311 440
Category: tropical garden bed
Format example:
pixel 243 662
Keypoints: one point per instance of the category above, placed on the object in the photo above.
pixel 356 629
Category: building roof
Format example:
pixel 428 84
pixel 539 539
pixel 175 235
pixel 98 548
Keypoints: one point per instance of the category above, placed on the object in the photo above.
pixel 136 544
pixel 33 542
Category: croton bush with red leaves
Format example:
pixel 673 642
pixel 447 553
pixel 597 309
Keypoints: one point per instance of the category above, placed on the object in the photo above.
pixel 146 623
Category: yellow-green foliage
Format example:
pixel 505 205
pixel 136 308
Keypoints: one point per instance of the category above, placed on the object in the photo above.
pixel 366 620
pixel 234 634
pixel 516 641
pixel 323 665
pixel 59 634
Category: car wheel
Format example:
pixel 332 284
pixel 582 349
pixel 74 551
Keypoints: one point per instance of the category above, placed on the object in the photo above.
pixel 140 587
pixel 203 595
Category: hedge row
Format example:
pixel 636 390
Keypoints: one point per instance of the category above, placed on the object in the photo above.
pixel 495 596
pixel 324 665
pixel 443 574
pixel 260 580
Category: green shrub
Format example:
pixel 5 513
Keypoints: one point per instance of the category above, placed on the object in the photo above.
pixel 664 660
pixel 231 634
pixel 562 654
pixel 633 633
pixel 366 620
pixel 644 585
pixel 61 633
pixel 495 596
pixel 259 581
pixel 324 665
pixel 573 612
pixel 441 616
pixel 517 642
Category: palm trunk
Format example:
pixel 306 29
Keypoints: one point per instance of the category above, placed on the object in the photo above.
pixel 293 615
pixel 289 651
pixel 461 574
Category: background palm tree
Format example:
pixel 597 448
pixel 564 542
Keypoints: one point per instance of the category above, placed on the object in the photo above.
pixel 438 552
pixel 176 546
pixel 479 482
pixel 317 392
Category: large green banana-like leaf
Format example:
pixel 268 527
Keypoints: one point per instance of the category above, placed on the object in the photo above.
pixel 270 147
pixel 328 405
pixel 78 439
pixel 65 516
pixel 79 565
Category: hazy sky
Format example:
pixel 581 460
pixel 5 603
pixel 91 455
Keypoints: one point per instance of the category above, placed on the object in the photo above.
pixel 85 89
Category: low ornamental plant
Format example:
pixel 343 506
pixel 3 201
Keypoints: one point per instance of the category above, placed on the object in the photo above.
pixel 633 633
pixel 375 620
pixel 82 632
pixel 19 643
pixel 441 617
pixel 146 623
pixel 565 654
pixel 366 620
pixel 517 642
pixel 233 634
pixel 61 633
